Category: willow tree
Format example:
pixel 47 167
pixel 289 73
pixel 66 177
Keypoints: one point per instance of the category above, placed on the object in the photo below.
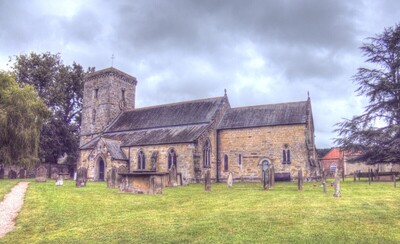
pixel 374 136
pixel 22 114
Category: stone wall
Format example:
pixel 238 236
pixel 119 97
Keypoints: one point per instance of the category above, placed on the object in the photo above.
pixel 106 93
pixel 264 143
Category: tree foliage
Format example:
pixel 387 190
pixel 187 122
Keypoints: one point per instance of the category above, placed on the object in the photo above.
pixel 22 114
pixel 61 88
pixel 374 136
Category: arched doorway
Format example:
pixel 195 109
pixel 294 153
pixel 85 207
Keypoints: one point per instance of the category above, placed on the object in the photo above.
pixel 101 170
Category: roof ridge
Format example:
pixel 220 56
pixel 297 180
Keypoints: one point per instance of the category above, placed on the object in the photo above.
pixel 157 127
pixel 270 104
pixel 174 103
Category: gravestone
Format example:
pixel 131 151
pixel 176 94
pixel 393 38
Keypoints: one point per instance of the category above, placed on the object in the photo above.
pixel 271 176
pixel 266 182
pixel 230 180
pixel 300 180
pixel 41 174
pixel 12 174
pixel 120 178
pixel 22 174
pixel 1 173
pixel 172 176
pixel 337 184
pixel 207 180
pixel 59 180
pixel 81 177
pixel 54 173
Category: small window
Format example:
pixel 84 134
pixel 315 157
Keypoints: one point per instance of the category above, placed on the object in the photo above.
pixel 123 94
pixel 332 168
pixel 96 93
pixel 94 116
pixel 226 163
pixel 171 158
pixel 141 160
pixel 207 154
pixel 240 159
pixel 286 155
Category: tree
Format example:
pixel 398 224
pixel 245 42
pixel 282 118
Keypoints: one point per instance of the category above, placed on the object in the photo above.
pixel 22 114
pixel 61 88
pixel 374 136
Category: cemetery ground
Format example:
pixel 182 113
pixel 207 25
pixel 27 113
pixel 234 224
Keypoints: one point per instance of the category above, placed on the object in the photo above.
pixel 245 213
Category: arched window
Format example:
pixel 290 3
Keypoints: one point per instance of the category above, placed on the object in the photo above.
pixel 240 159
pixel 207 154
pixel 286 155
pixel 226 163
pixel 96 93
pixel 141 160
pixel 171 158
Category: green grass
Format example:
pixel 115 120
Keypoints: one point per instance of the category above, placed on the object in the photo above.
pixel 6 185
pixel 364 214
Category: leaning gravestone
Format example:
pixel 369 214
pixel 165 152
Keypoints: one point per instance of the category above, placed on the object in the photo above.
pixel 12 174
pixel 207 181
pixel 81 177
pixel 300 180
pixel 41 174
pixel 1 173
pixel 337 183
pixel 230 180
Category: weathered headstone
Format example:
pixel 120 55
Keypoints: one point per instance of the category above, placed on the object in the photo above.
pixel 207 180
pixel 324 185
pixel 12 174
pixel 271 176
pixel 230 180
pixel 22 174
pixel 41 174
pixel 54 173
pixel 300 180
pixel 81 177
pixel 1 173
pixel 59 180
pixel 337 183
pixel 120 178
pixel 172 176
pixel 266 182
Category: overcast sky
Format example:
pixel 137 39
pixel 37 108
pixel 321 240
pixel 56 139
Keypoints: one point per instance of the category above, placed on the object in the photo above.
pixel 261 51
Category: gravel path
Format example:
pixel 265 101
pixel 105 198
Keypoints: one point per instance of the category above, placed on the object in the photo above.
pixel 10 207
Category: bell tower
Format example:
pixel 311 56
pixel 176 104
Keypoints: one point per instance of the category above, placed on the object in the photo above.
pixel 106 94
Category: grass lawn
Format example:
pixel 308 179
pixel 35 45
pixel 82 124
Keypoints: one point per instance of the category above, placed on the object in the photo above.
pixel 6 185
pixel 364 214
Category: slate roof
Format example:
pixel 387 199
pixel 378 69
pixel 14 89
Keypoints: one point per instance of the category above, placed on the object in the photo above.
pixel 114 148
pixel 265 115
pixel 170 123
pixel 175 114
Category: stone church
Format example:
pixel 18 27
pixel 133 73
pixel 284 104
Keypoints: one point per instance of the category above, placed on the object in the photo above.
pixel 191 136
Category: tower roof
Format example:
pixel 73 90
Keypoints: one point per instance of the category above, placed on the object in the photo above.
pixel 111 72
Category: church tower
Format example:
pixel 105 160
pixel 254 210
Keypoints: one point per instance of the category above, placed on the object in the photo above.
pixel 106 94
